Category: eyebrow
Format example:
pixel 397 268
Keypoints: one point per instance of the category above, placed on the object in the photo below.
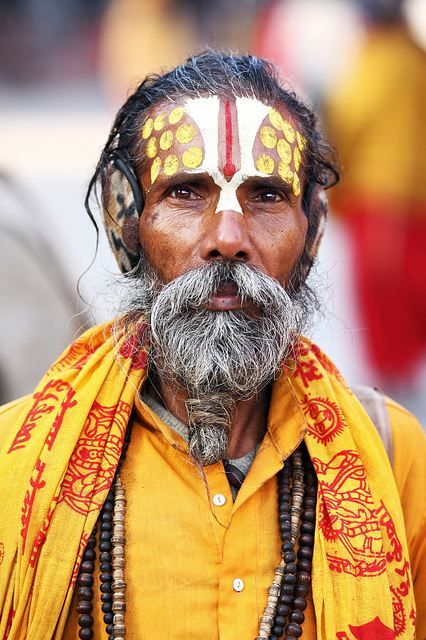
pixel 165 182
pixel 269 181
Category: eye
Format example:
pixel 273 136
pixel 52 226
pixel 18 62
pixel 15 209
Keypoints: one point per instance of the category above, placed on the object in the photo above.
pixel 268 196
pixel 182 192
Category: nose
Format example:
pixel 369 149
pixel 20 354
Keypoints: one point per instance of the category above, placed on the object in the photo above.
pixel 226 237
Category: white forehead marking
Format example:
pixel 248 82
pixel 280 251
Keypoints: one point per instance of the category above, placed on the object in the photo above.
pixel 250 114
pixel 205 113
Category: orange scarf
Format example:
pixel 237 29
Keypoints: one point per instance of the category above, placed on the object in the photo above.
pixel 361 579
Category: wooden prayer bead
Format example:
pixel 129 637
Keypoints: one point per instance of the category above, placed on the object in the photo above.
pixel 293 630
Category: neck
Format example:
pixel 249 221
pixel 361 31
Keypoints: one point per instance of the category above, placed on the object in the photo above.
pixel 248 423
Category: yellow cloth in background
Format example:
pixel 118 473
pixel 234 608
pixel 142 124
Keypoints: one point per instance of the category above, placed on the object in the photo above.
pixel 69 436
pixel 376 120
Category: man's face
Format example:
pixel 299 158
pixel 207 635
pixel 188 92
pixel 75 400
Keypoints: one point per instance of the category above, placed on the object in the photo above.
pixel 222 179
pixel 222 230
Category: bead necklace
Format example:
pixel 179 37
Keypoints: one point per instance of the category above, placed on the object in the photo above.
pixel 284 612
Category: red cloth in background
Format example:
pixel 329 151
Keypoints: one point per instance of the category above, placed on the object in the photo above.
pixel 390 278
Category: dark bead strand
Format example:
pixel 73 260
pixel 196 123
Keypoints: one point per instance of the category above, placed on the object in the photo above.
pixel 105 545
pixel 85 589
pixel 106 559
pixel 287 548
pixel 304 553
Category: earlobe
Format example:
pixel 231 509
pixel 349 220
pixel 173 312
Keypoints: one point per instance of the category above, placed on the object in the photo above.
pixel 315 206
pixel 122 205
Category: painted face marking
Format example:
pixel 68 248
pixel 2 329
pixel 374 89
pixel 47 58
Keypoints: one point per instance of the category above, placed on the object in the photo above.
pixel 229 139
pixel 229 168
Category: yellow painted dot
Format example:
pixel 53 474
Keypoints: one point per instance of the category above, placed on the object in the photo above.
pixel 285 173
pixel 265 163
pixel 147 128
pixel 185 133
pixel 171 165
pixel 284 150
pixel 276 118
pixel 297 159
pixel 268 137
pixel 155 169
pixel 175 115
pixel 301 141
pixel 166 140
pixel 289 131
pixel 192 157
pixel 296 185
pixel 151 148
pixel 160 122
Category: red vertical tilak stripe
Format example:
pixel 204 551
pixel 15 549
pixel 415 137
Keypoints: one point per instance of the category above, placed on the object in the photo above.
pixel 229 168
pixel 229 148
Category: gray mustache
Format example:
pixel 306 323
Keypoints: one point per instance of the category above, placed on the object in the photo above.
pixel 194 289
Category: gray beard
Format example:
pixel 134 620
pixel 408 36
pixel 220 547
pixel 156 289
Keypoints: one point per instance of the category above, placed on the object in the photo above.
pixel 219 358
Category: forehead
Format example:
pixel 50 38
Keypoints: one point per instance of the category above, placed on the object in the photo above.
pixel 230 139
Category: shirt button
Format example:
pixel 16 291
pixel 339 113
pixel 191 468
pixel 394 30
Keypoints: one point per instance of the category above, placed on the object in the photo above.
pixel 219 500
pixel 238 584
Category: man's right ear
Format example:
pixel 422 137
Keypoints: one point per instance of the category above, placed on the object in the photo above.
pixel 122 203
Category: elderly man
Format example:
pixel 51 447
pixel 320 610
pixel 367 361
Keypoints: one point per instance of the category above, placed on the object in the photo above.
pixel 196 468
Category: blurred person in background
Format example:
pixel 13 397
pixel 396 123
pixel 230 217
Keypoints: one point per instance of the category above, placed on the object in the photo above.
pixel 377 120
pixel 196 468
pixel 34 293
pixel 141 36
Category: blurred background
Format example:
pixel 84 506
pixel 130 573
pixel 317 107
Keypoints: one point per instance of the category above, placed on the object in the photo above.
pixel 67 65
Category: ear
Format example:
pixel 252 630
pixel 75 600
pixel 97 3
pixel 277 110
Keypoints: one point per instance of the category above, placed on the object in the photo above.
pixel 315 206
pixel 122 202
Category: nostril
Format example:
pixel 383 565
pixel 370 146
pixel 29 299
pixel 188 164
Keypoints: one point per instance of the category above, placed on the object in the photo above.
pixel 215 253
pixel 241 255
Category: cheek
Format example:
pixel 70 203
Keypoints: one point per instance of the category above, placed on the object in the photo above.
pixel 285 248
pixel 166 240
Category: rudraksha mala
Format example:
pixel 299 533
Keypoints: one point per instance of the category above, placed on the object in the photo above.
pixel 284 612
pixel 297 496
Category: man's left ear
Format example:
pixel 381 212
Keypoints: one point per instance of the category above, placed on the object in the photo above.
pixel 315 206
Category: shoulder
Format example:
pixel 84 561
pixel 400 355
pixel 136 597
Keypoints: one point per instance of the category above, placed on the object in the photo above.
pixel 409 467
pixel 409 463
pixel 9 415
pixel 409 444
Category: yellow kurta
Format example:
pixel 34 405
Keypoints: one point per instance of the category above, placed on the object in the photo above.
pixel 198 566
pixel 183 552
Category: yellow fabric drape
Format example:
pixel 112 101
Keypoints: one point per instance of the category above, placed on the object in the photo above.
pixel 361 576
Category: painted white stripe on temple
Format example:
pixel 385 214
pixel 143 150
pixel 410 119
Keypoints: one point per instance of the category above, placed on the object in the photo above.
pixel 205 113
pixel 250 114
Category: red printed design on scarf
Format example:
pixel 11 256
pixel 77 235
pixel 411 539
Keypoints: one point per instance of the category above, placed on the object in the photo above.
pixel 36 483
pixel 95 458
pixel 306 367
pixel 373 630
pixel 55 398
pixel 347 515
pixel 75 357
pixel 134 347
pixel 324 418
pixel 41 536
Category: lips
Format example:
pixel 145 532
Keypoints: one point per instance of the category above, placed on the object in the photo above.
pixel 226 298
pixel 227 289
